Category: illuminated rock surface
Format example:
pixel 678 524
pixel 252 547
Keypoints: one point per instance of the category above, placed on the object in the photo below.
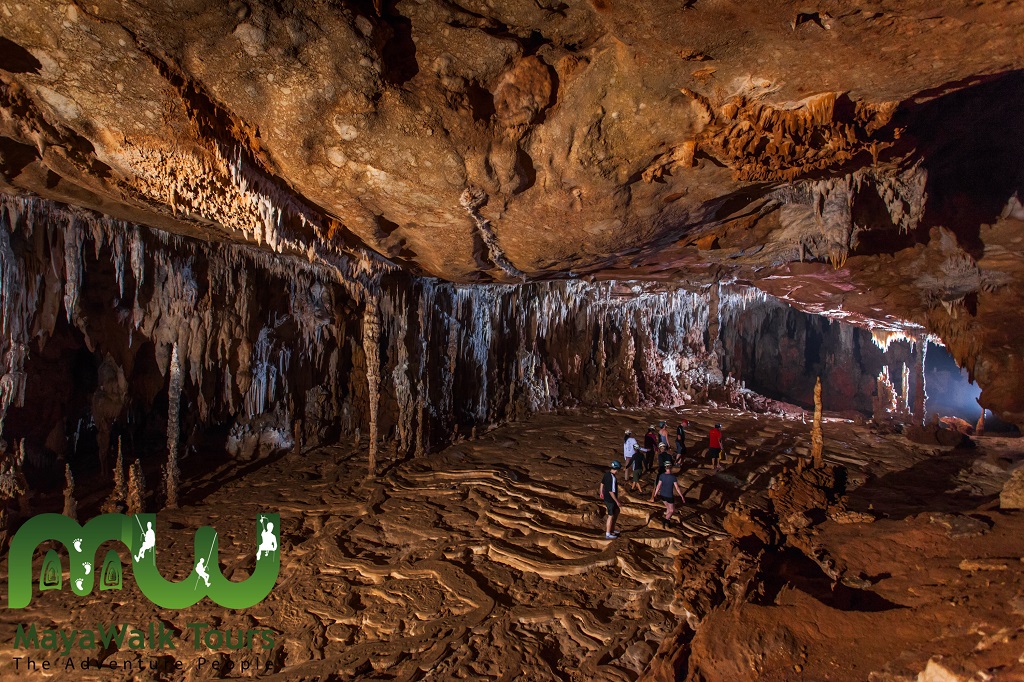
pixel 233 233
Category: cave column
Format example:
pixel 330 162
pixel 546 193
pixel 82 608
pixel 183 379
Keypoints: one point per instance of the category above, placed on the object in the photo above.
pixel 817 441
pixel 421 390
pixel 171 472
pixel 371 348
pixel 920 394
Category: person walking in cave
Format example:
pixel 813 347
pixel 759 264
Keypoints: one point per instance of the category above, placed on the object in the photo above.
pixel 681 441
pixel 634 471
pixel 650 447
pixel 629 447
pixel 715 447
pixel 666 490
pixel 609 492
pixel 634 455
pixel 663 433
pixel 665 458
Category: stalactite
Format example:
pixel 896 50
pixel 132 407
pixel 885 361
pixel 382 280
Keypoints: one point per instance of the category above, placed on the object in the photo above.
pixel 920 392
pixel 171 471
pixel 371 349
pixel 136 489
pixel 817 442
pixel 70 505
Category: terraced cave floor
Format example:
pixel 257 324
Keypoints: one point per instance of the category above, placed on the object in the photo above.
pixel 488 561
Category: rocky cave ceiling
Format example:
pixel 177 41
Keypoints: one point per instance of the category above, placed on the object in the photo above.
pixel 857 159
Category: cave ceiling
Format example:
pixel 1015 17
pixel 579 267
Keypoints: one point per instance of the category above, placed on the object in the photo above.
pixel 856 159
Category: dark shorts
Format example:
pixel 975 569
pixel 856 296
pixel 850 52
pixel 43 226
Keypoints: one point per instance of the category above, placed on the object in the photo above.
pixel 668 500
pixel 611 506
pixel 713 453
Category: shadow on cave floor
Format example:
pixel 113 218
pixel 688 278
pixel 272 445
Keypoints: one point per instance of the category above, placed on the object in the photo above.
pixel 927 486
pixel 202 480
pixel 790 567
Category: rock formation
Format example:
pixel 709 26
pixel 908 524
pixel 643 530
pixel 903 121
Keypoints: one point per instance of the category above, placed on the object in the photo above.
pixel 136 489
pixel 70 505
pixel 817 442
pixel 520 140
pixel 371 349
pixel 171 472
pixel 419 219
pixel 118 498
pixel 13 487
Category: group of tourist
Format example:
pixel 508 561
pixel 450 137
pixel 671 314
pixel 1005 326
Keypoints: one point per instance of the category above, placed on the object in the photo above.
pixel 639 461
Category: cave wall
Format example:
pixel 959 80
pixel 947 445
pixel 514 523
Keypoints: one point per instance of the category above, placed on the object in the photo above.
pixel 92 308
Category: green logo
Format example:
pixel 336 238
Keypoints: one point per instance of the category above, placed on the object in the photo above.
pixel 137 533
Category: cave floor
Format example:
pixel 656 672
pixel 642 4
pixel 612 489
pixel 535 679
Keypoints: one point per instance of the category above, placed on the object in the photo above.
pixel 488 559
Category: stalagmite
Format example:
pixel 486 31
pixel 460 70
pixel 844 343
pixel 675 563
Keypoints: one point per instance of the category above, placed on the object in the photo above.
pixel 70 506
pixel 120 489
pixel 297 437
pixel 22 489
pixel 371 348
pixel 884 401
pixel 817 441
pixel 979 428
pixel 119 495
pixel 920 392
pixel 136 489
pixel 171 471
pixel 13 485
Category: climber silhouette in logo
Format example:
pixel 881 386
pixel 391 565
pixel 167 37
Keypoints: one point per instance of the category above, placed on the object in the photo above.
pixel 201 570
pixel 268 542
pixel 148 541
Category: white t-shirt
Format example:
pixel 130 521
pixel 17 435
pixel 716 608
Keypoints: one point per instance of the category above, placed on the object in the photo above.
pixel 629 448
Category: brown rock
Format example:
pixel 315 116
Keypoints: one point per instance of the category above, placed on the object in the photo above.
pixel 1012 495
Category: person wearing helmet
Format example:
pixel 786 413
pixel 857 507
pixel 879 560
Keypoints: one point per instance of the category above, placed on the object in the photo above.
pixel 666 490
pixel 635 469
pixel 650 447
pixel 715 446
pixel 681 440
pixel 609 492
pixel 629 448
pixel 664 456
